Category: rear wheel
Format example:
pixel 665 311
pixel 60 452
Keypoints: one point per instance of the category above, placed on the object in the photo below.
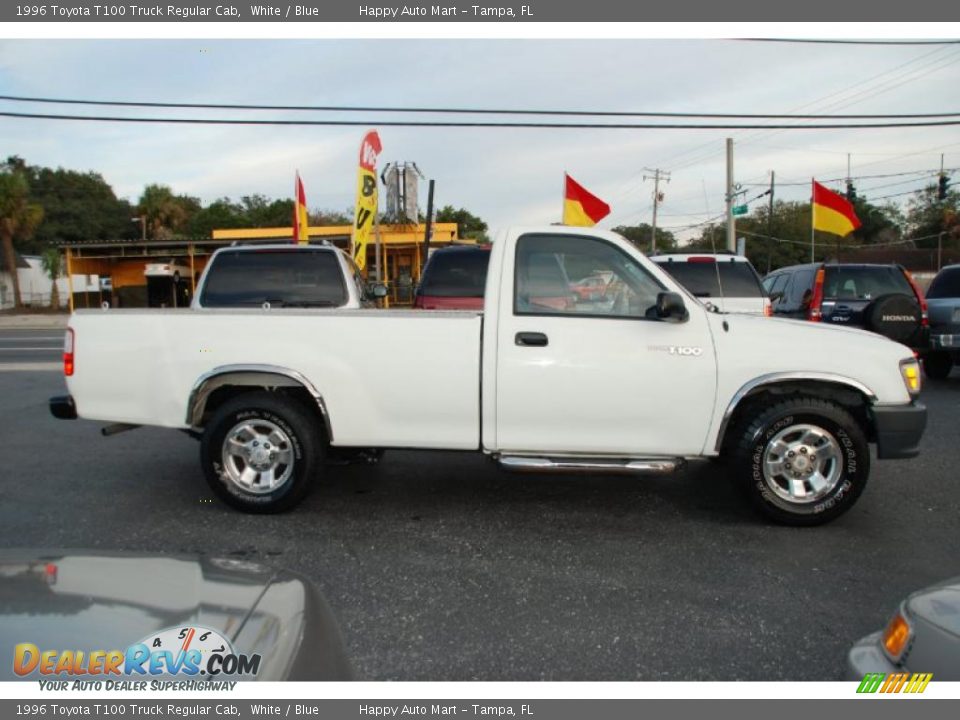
pixel 260 452
pixel 802 461
pixel 937 365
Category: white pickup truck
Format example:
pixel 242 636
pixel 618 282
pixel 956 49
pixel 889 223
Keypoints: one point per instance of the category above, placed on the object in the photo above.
pixel 542 380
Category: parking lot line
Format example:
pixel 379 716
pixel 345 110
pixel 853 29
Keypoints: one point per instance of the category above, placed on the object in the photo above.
pixel 31 367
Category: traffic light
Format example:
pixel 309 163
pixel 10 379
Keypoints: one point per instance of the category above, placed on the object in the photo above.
pixel 851 192
pixel 942 188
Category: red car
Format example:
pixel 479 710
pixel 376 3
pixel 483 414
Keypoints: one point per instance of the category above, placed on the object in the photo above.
pixel 454 279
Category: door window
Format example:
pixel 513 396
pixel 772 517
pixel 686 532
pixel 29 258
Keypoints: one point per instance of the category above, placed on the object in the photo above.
pixel 553 270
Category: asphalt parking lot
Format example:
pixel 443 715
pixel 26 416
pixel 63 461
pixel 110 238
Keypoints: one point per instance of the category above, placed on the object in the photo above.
pixel 441 567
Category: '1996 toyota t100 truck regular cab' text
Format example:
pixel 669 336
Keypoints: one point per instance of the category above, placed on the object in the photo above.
pixel 640 379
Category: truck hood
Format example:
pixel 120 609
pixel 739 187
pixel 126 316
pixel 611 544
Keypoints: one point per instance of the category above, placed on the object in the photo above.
pixel 761 346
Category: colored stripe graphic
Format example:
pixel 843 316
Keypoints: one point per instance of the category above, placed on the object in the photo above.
pixel 893 683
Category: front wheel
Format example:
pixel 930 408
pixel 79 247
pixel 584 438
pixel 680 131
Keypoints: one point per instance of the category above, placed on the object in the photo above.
pixel 937 365
pixel 260 452
pixel 803 461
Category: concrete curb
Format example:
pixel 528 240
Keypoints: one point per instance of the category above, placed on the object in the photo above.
pixel 33 322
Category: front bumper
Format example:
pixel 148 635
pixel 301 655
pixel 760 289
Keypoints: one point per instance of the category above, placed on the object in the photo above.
pixel 867 657
pixel 899 429
pixel 62 407
pixel 949 341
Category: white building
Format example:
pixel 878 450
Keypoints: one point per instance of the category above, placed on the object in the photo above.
pixel 35 286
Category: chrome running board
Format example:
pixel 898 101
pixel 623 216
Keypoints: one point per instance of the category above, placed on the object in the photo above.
pixel 654 466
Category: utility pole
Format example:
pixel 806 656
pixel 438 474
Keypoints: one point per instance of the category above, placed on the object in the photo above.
pixel 428 230
pixel 731 229
pixel 770 222
pixel 657 174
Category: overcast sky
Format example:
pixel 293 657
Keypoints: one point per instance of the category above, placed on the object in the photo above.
pixel 507 176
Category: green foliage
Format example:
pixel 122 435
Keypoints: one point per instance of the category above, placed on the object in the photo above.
pixel 77 206
pixel 19 217
pixel 640 235
pixel 927 216
pixel 468 225
pixel 52 262
pixel 167 215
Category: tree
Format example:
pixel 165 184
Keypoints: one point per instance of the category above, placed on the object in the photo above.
pixel 76 206
pixel 52 264
pixel 261 211
pixel 19 217
pixel 167 215
pixel 468 225
pixel 928 216
pixel 222 213
pixel 331 217
pixel 639 235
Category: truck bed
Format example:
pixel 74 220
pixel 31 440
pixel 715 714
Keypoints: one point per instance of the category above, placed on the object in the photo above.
pixel 372 367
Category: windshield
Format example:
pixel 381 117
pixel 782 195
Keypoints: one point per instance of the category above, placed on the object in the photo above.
pixel 459 273
pixel 946 284
pixel 737 278
pixel 291 278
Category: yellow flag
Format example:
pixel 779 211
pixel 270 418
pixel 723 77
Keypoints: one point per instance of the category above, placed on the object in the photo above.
pixel 366 206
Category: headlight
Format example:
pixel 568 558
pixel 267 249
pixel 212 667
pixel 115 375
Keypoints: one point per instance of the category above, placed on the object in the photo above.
pixel 910 371
pixel 896 636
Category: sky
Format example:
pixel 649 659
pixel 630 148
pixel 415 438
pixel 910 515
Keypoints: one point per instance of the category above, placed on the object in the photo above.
pixel 506 176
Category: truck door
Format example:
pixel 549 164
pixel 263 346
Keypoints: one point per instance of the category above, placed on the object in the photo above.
pixel 597 373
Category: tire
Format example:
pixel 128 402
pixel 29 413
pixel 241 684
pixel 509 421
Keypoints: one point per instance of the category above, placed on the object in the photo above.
pixel 260 452
pixel 828 485
pixel 937 365
pixel 895 316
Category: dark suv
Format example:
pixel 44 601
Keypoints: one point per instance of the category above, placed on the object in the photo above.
pixel 943 296
pixel 880 298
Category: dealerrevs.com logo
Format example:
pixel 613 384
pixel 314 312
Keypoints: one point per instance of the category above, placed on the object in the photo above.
pixel 191 651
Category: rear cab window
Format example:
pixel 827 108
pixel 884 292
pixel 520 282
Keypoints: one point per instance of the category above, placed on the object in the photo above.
pixel 285 278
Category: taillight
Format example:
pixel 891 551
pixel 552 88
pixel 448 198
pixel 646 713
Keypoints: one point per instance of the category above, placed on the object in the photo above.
pixel 924 318
pixel 701 259
pixel 813 312
pixel 68 353
pixel 767 307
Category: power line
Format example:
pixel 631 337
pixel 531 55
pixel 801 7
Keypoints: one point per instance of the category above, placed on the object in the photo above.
pixel 863 89
pixel 479 124
pixel 473 111
pixel 858 177
pixel 827 41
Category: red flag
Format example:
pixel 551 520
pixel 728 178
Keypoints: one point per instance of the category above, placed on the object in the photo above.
pixel 301 229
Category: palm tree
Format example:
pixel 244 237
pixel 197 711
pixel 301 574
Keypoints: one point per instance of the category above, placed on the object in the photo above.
pixel 52 263
pixel 166 214
pixel 18 218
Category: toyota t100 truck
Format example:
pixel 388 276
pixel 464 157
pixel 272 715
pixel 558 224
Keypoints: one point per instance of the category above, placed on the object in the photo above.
pixel 543 379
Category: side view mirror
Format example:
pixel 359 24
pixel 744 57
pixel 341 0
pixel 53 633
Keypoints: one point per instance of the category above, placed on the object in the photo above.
pixel 377 291
pixel 670 307
pixel 777 296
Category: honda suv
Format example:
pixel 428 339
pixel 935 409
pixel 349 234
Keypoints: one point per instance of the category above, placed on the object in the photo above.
pixel 881 298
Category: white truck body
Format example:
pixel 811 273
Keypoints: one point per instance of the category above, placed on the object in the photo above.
pixel 633 388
